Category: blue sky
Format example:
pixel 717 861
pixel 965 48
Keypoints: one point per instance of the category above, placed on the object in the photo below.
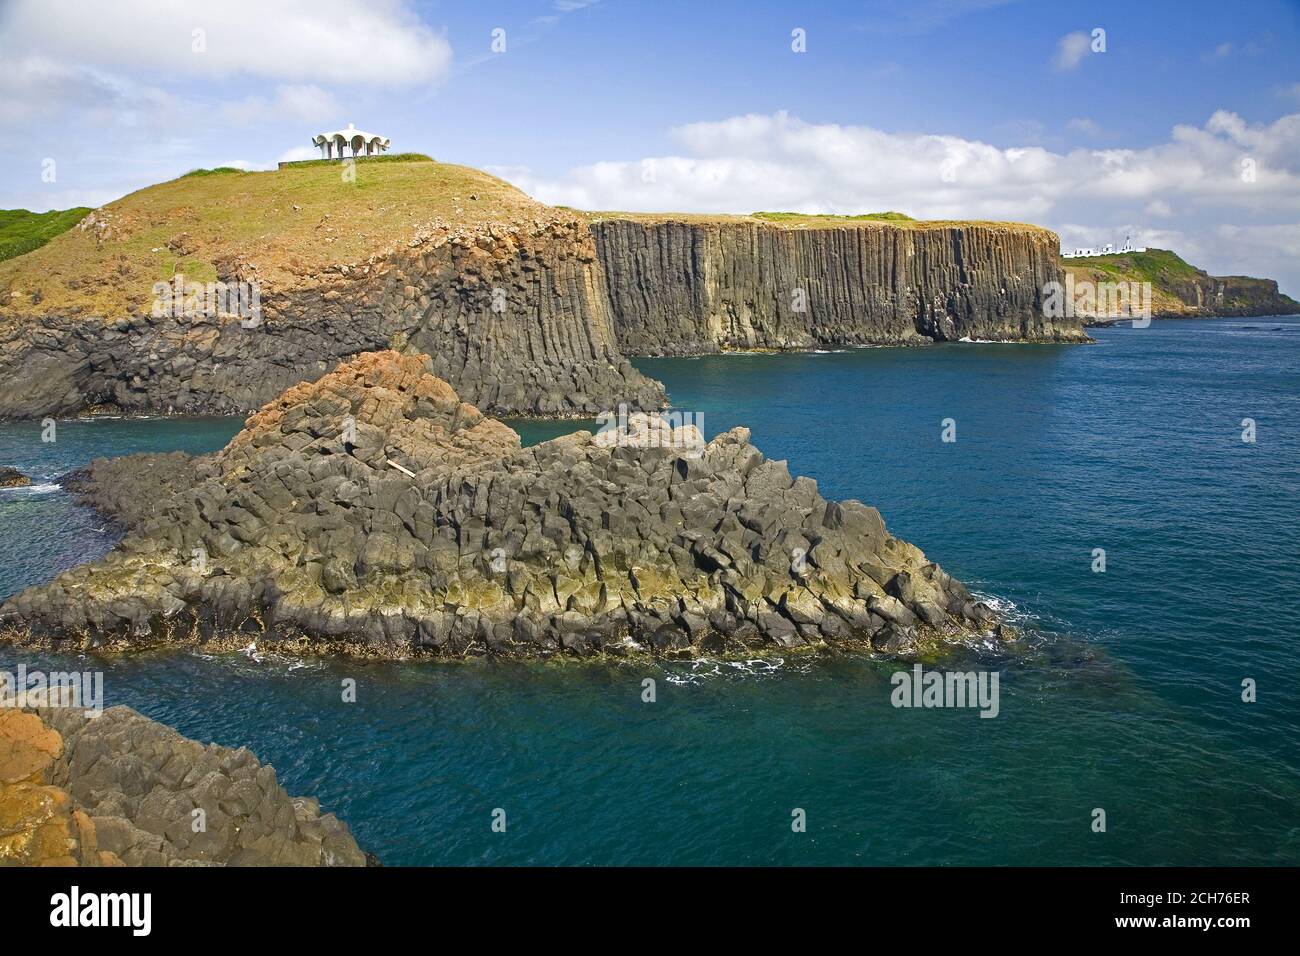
pixel 939 108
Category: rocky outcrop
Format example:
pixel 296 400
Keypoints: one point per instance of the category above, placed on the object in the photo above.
pixel 689 287
pixel 513 316
pixel 1177 289
pixel 13 478
pixel 1228 296
pixel 374 512
pixel 120 789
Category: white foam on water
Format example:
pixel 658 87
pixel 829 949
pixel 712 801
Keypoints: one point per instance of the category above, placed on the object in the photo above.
pixel 702 669
pixel 44 488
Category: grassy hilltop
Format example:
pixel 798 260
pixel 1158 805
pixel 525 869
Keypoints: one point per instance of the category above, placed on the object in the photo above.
pixel 291 221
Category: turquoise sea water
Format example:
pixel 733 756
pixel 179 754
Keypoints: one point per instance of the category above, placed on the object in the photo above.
pixel 1126 696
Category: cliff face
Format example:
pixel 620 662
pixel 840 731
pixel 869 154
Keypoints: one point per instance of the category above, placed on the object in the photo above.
pixel 1209 295
pixel 688 287
pixel 513 316
pixel 373 512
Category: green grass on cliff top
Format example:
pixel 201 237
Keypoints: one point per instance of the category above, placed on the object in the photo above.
pixel 289 222
pixel 22 231
pixel 819 218
pixel 804 220
pixel 1156 266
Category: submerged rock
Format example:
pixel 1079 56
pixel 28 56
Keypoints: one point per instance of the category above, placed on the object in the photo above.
pixel 13 478
pixel 120 789
pixel 371 511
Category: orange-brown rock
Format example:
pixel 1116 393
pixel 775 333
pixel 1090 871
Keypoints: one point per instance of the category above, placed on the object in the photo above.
pixel 120 789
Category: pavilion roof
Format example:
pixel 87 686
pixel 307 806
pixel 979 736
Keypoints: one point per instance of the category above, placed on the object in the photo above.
pixel 348 135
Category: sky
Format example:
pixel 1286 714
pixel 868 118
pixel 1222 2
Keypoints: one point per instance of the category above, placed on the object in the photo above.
pixel 1176 123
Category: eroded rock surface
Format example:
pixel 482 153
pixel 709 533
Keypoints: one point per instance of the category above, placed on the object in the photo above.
pixel 513 315
pixel 690 286
pixel 120 789
pixel 373 511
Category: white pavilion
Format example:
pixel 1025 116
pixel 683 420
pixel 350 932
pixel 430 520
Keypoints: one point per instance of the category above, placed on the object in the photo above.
pixel 332 145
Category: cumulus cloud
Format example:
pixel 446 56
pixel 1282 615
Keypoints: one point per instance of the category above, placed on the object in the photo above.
pixel 778 161
pixel 1226 169
pixel 381 43
pixel 1070 51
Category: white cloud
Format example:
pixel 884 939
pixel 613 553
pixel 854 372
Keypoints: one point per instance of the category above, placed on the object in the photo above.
pixel 35 87
pixel 381 43
pixel 303 102
pixel 778 162
pixel 1070 51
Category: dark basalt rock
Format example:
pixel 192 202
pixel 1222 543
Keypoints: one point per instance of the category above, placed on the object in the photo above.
pixel 120 789
pixel 513 315
pixel 685 287
pixel 373 512
pixel 129 489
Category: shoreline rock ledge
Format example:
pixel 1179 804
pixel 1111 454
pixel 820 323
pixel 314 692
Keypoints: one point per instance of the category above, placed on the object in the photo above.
pixel 372 512
pixel 119 789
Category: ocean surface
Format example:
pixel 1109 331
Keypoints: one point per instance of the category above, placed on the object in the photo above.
pixel 1124 696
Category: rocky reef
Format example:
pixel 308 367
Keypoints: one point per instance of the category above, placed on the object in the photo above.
pixel 119 789
pixel 690 286
pixel 373 512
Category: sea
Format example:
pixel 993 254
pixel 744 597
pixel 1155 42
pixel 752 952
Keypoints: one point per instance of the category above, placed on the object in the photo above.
pixel 1132 506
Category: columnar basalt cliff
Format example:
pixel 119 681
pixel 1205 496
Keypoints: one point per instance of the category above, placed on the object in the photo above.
pixel 689 286
pixel 119 789
pixel 524 309
pixel 373 512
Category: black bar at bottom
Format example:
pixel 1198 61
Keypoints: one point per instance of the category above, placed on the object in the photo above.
pixel 300 906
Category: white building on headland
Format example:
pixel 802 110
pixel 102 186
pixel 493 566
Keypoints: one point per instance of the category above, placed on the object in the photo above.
pixel 1107 250
pixel 361 143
